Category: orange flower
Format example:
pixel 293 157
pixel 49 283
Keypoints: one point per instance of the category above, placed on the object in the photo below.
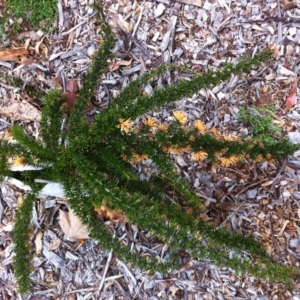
pixel 150 122
pixel 136 158
pixel 216 134
pixel 200 155
pixel 125 125
pixel 18 161
pixel 162 127
pixel 260 158
pixel 177 149
pixel 229 161
pixel 180 116
pixel 229 137
pixel 200 126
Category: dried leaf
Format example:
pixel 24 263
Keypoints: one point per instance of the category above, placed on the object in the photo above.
pixel 286 72
pixel 37 46
pixel 70 41
pixel 267 183
pixel 54 245
pixel 72 86
pixel 114 66
pixel 29 34
pixel 117 63
pixel 292 98
pixel 192 2
pixel 12 54
pixel 38 242
pixel 118 20
pixel 72 226
pixel 27 43
pixel 57 81
pixel 55 55
pixel 21 111
pixel 289 4
pixel 70 99
pixel 44 49
pixel 26 62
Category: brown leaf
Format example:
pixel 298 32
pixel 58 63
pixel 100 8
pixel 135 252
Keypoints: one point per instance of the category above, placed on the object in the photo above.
pixel 70 99
pixel 72 226
pixel 44 49
pixel 57 80
pixel 71 86
pixel 292 98
pixel 26 62
pixel 117 63
pixel 54 245
pixel 12 54
pixel 289 4
pixel 37 46
pixel 114 66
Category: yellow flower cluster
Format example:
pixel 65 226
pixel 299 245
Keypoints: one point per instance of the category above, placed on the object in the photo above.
pixel 125 125
pixel 135 158
pixel 18 161
pixel 229 161
pixel 150 122
pixel 200 126
pixel 177 150
pixel 198 156
pixel 181 117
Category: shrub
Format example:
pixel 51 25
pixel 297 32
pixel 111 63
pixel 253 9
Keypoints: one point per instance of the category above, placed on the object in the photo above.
pixel 94 165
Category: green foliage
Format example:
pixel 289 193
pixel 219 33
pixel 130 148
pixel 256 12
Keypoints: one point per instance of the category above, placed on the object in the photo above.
pixel 40 14
pixel 94 165
pixel 259 121
pixel 21 233
pixel 3 36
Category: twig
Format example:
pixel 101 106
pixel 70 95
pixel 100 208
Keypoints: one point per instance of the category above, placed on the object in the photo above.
pixel 250 185
pixel 127 271
pixel 73 28
pixel 272 235
pixel 105 270
pixel 9 86
pixel 276 19
pixel 279 35
pixel 278 174
pixel 139 288
pixel 138 21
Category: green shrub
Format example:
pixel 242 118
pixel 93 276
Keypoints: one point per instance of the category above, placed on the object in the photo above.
pixel 259 121
pixel 40 14
pixel 93 165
